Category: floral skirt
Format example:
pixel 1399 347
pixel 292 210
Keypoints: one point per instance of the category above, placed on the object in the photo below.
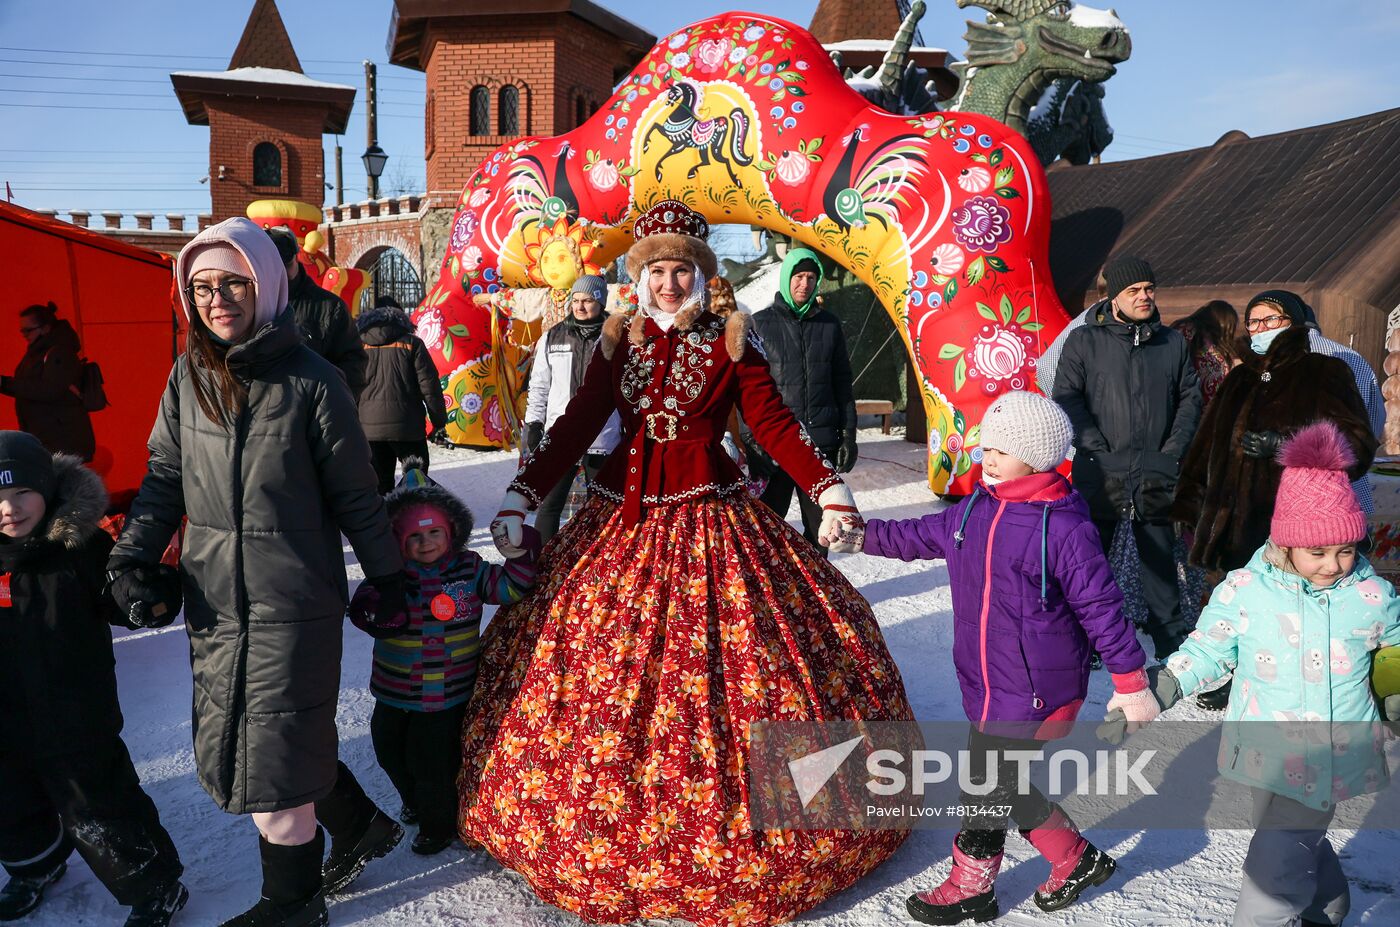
pixel 606 747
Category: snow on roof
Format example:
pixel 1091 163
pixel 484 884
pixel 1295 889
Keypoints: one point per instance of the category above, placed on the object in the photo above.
pixel 879 45
pixel 756 293
pixel 1086 17
pixel 862 84
pixel 264 76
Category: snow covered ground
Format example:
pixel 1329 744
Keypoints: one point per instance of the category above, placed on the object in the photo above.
pixel 1177 877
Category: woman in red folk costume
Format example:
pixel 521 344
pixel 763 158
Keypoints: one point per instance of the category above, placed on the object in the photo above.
pixel 608 746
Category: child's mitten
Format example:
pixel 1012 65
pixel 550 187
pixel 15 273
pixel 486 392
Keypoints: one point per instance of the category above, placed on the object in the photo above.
pixel 1118 723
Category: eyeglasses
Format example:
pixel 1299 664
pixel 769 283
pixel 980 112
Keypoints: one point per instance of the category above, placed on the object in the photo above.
pixel 1266 323
pixel 233 291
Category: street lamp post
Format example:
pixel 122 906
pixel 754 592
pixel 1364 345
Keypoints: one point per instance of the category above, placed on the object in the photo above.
pixel 374 156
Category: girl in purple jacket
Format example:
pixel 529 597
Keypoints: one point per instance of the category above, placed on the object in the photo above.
pixel 1033 598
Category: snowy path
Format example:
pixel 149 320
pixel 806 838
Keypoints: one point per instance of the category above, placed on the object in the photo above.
pixel 1179 878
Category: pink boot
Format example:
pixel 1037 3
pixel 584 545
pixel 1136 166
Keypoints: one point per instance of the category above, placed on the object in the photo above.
pixel 1075 863
pixel 966 893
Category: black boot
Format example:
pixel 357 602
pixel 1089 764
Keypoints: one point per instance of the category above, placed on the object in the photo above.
pixel 430 844
pixel 23 893
pixel 1215 699
pixel 359 831
pixel 291 892
pixel 157 910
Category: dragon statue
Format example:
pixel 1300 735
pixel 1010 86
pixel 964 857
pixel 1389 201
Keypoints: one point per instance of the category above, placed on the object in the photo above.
pixel 1035 65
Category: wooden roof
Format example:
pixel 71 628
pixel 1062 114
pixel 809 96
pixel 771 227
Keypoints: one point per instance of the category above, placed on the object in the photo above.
pixel 265 43
pixel 1296 206
pixel 411 17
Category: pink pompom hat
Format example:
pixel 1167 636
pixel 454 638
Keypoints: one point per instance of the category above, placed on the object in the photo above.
pixel 1315 505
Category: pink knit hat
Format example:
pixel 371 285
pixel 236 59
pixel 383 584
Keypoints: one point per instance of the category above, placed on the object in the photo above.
pixel 415 516
pixel 1315 506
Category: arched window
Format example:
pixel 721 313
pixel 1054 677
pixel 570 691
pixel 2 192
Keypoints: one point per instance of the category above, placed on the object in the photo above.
pixel 267 165
pixel 481 111
pixel 509 115
pixel 580 111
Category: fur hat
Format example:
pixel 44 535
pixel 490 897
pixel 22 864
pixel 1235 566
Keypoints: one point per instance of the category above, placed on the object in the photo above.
pixel 671 231
pixel 1029 427
pixel 417 490
pixel 1315 505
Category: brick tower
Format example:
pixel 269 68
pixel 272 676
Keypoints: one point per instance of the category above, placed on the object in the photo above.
pixel 499 69
pixel 265 119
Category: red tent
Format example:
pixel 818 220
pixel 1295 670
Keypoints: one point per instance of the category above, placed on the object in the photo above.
pixel 118 297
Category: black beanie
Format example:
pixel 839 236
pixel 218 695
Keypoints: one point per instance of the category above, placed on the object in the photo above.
pixel 806 266
pixel 26 464
pixel 1289 303
pixel 1123 272
pixel 286 244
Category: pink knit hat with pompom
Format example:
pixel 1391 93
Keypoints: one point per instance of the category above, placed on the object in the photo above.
pixel 1315 506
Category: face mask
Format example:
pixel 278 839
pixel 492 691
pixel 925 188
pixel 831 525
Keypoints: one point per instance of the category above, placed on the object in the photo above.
pixel 1260 341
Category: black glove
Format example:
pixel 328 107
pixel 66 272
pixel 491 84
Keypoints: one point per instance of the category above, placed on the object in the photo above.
pixel 147 596
pixel 1163 684
pixel 534 434
pixel 846 454
pixel 1262 444
pixel 440 438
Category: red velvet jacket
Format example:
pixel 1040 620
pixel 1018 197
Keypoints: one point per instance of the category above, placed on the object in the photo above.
pixel 674 391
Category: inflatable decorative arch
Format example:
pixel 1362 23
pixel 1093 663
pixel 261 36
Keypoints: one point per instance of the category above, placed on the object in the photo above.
pixel 744 118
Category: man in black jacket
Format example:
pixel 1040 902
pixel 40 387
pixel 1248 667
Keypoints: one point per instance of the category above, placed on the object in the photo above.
pixel 1127 383
pixel 322 317
pixel 807 354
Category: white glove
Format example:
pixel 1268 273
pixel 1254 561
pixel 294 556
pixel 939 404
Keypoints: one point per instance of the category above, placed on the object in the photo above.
pixel 508 527
pixel 842 530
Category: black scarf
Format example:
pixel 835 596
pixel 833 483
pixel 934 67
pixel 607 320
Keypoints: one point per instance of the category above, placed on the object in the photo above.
pixel 582 336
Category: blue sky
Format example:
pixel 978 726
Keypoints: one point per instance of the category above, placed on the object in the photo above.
pixel 1199 69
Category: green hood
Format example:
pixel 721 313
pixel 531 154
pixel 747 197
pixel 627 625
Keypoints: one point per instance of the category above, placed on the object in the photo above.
pixel 794 257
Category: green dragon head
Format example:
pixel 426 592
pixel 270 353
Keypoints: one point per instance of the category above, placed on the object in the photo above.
pixel 1026 44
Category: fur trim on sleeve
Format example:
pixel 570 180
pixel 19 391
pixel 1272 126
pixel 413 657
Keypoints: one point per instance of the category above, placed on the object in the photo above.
pixel 736 334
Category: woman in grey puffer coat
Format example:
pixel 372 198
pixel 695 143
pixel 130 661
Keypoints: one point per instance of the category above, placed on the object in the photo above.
pixel 258 444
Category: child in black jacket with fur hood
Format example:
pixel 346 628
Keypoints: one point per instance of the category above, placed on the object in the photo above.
pixel 66 777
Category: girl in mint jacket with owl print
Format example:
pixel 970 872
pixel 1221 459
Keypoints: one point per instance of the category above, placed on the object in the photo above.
pixel 1298 626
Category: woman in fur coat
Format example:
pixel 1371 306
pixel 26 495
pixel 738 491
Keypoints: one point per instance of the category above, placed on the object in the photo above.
pixel 1225 496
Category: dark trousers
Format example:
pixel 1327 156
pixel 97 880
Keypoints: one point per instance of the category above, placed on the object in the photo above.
pixel 778 497
pixel 347 810
pixel 91 802
pixel 385 455
pixel 422 753
pixel 552 506
pixel 984 826
pixel 1155 546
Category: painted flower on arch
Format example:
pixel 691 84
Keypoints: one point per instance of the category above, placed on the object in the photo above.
pixel 982 224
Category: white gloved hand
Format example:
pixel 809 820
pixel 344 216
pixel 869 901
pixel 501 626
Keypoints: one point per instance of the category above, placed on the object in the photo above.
pixel 842 529
pixel 508 527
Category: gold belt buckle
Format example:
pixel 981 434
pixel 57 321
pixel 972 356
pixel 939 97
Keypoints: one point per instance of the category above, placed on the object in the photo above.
pixel 667 426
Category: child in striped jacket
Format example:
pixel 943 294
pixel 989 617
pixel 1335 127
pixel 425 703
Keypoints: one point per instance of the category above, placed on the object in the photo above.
pixel 424 670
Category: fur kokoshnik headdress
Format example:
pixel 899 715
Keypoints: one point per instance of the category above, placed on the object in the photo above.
pixel 671 231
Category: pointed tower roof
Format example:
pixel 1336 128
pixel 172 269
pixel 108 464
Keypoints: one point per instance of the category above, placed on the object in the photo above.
pixel 264 66
pixel 265 43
